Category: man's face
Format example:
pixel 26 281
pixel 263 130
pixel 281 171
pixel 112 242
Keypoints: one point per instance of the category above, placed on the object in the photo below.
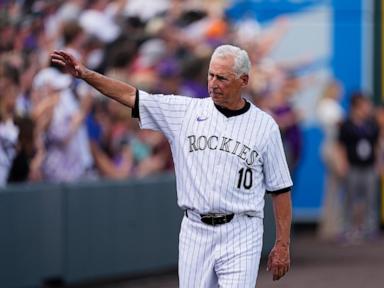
pixel 224 86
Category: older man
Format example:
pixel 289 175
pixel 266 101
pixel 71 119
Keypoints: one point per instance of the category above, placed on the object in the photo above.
pixel 227 153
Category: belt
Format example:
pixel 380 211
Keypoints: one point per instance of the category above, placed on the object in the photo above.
pixel 213 219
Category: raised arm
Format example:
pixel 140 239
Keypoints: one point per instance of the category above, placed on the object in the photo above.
pixel 279 258
pixel 117 90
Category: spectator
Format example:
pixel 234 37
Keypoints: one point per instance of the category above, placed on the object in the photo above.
pixel 74 39
pixel 380 122
pixel 9 83
pixel 26 165
pixel 288 120
pixel 64 160
pixel 96 21
pixel 155 153
pixel 194 73
pixel 330 115
pixel 358 140
pixel 109 128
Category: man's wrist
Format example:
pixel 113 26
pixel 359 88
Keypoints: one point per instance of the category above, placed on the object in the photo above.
pixel 86 73
pixel 284 243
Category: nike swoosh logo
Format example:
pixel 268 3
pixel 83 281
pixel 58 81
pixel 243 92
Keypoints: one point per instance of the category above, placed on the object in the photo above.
pixel 199 119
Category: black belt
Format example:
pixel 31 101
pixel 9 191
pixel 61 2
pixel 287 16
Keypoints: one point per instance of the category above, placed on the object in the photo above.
pixel 214 219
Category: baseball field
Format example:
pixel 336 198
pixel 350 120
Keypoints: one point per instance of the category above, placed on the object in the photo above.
pixel 315 264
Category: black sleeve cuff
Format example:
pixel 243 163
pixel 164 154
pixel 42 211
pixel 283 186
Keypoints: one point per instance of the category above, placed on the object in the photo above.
pixel 135 110
pixel 280 191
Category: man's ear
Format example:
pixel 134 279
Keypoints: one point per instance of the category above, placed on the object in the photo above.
pixel 244 80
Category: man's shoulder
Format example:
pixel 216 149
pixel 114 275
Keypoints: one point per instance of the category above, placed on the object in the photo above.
pixel 166 97
pixel 261 114
pixel 200 102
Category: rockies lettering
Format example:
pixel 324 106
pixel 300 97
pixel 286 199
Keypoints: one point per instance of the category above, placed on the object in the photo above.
pixel 228 145
pixel 223 164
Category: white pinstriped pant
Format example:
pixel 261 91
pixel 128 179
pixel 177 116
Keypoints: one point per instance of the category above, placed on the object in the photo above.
pixel 226 255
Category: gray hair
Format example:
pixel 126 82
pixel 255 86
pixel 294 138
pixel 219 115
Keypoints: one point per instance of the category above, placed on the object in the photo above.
pixel 242 63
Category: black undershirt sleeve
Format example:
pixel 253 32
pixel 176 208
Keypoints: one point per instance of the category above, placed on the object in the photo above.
pixel 280 191
pixel 135 110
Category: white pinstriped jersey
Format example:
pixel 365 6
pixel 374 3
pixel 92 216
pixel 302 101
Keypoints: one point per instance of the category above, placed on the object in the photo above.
pixel 222 164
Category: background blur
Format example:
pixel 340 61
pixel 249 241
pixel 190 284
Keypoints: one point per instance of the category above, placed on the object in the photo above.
pixel 87 196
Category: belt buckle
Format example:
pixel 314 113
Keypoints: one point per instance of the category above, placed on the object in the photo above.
pixel 207 219
pixel 214 219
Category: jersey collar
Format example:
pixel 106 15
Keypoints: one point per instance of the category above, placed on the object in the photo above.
pixel 230 113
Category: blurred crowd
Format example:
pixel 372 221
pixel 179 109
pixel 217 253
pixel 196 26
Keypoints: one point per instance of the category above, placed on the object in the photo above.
pixel 353 153
pixel 56 128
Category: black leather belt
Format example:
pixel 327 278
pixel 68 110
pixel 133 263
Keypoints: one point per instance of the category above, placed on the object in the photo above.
pixel 214 219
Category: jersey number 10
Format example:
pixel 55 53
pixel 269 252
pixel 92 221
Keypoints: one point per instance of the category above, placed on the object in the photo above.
pixel 245 178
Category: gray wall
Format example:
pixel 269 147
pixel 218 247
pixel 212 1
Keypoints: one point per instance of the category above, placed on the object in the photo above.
pixel 87 231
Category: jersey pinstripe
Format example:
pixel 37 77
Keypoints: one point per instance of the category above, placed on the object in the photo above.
pixel 222 165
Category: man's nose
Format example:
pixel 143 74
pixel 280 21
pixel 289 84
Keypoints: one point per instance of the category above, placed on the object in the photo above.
pixel 214 82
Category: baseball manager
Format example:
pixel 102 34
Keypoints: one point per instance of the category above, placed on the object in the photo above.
pixel 227 154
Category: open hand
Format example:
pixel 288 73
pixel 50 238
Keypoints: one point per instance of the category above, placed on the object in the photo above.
pixel 68 62
pixel 279 261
